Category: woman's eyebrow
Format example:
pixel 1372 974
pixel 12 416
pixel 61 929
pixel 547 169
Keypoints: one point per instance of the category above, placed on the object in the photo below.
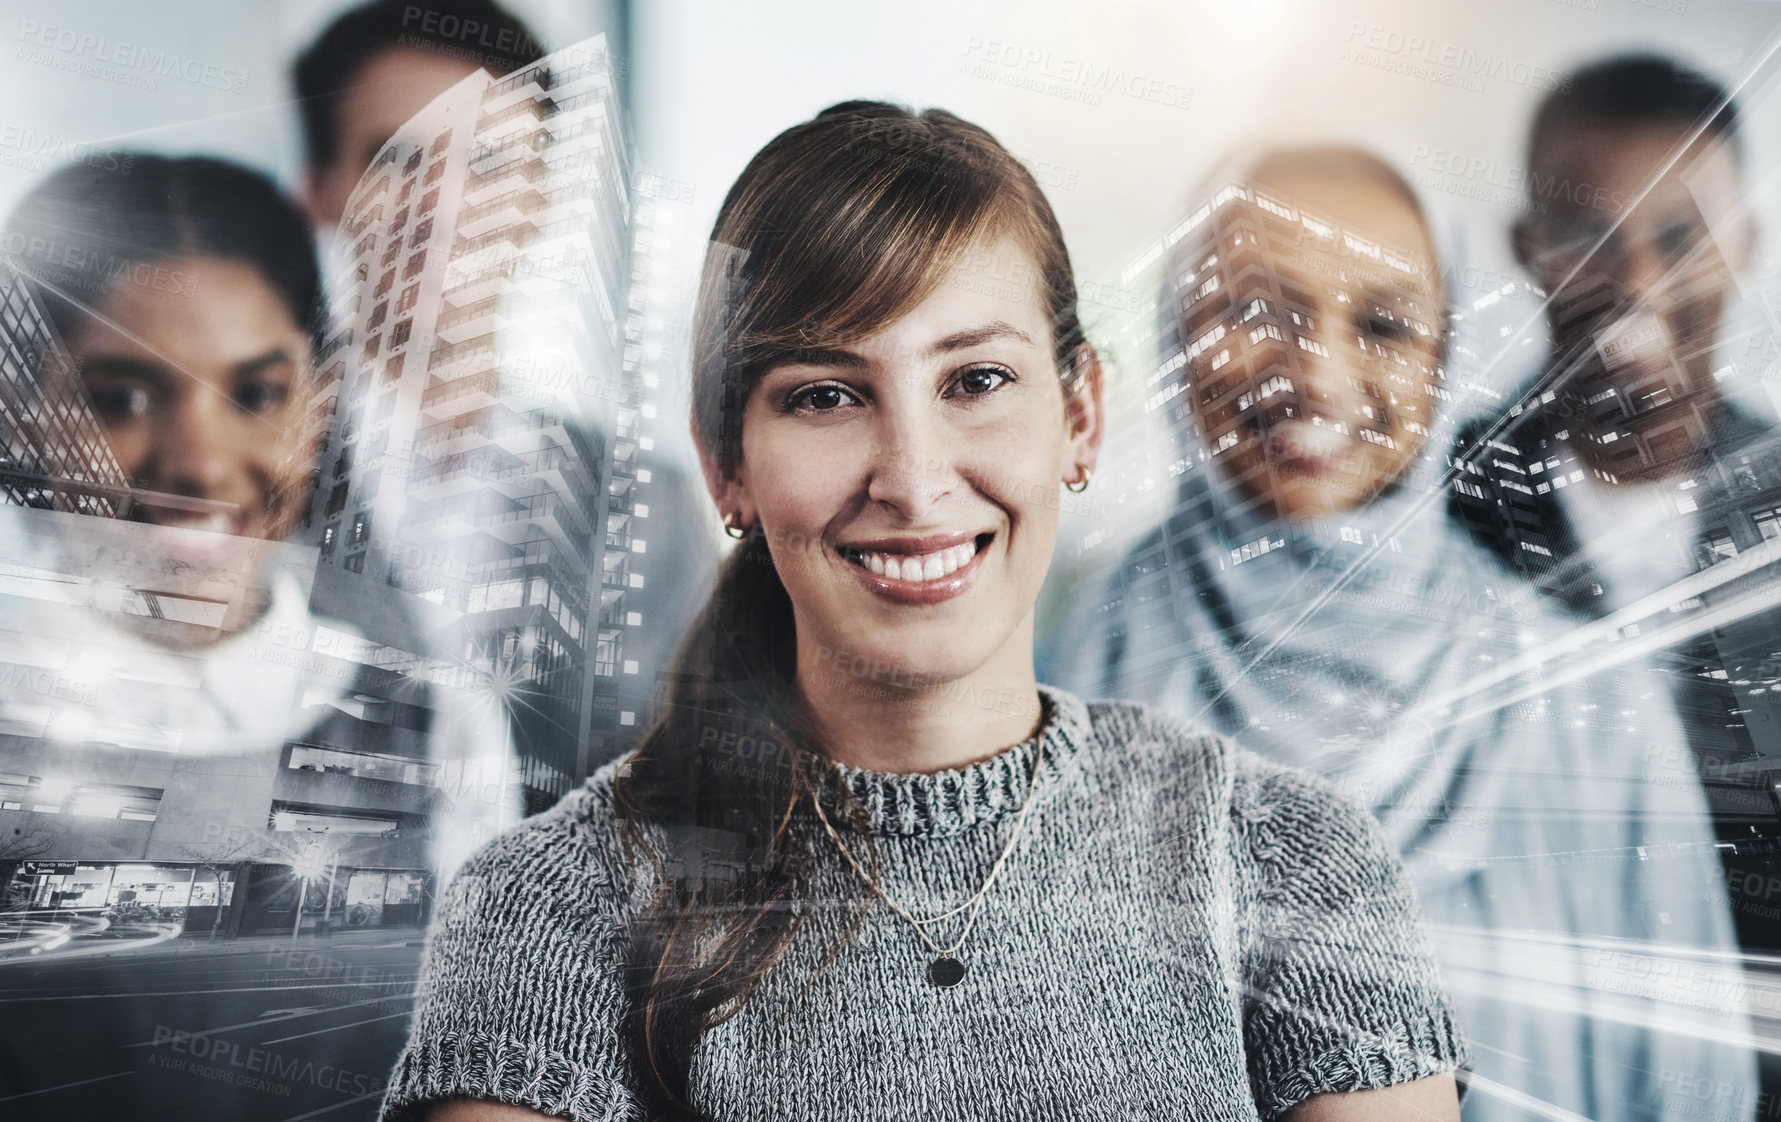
pixel 973 336
pixel 957 341
pixel 247 368
pixel 120 366
pixel 826 356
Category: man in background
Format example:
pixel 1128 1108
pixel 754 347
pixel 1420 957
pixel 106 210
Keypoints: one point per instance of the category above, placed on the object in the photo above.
pixel 1636 232
pixel 368 73
pixel 1627 466
pixel 1633 466
pixel 379 64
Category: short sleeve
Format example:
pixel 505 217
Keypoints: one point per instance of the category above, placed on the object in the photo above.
pixel 520 994
pixel 1341 989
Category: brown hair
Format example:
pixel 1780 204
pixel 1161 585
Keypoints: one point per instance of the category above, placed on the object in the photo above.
pixel 835 229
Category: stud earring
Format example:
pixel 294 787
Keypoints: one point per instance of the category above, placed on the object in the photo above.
pixel 1080 485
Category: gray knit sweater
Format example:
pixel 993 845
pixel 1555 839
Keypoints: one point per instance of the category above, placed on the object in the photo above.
pixel 1183 932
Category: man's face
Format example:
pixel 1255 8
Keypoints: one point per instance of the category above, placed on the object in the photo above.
pixel 1318 394
pixel 390 89
pixel 1637 266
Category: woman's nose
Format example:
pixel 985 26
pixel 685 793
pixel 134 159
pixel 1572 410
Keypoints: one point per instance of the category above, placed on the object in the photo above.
pixel 193 451
pixel 911 465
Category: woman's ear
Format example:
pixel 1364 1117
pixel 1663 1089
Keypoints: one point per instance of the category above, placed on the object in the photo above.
pixel 728 491
pixel 1084 420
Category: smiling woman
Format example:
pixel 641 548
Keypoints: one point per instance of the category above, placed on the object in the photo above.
pixel 187 295
pixel 1089 910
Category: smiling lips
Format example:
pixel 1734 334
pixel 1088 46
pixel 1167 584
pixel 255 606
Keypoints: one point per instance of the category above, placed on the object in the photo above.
pixel 1305 449
pixel 186 520
pixel 218 533
pixel 917 571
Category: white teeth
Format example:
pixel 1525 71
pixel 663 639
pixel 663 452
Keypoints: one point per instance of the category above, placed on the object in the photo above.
pixel 924 567
pixel 210 523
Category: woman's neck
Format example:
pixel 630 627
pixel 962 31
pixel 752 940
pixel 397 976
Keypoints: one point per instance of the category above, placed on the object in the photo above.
pixel 903 722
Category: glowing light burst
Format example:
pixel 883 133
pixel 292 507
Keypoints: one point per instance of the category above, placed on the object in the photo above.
pixel 1668 987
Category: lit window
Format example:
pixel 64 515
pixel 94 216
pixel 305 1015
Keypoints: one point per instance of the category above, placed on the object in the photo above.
pixel 1768 523
pixel 1206 342
pixel 1716 546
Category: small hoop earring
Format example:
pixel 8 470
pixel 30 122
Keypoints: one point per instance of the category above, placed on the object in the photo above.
pixel 732 529
pixel 1080 485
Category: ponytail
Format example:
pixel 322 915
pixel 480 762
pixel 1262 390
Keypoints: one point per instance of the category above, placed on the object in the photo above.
pixel 712 930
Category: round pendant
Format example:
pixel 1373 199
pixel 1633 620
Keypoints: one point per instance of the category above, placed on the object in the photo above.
pixel 946 972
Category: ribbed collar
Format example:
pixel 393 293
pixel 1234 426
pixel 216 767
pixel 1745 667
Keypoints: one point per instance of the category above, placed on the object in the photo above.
pixel 950 802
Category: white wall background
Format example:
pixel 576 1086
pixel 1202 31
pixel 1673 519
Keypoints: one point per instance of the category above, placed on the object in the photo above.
pixel 714 80
pixel 51 105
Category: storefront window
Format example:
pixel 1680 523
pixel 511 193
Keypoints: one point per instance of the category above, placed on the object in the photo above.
pixel 88 886
pixel 364 899
pixel 146 893
pixel 402 897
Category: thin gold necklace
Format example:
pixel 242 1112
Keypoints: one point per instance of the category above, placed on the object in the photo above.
pixel 947 970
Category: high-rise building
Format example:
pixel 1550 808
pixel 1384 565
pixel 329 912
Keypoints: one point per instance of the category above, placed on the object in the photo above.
pixel 52 452
pixel 483 455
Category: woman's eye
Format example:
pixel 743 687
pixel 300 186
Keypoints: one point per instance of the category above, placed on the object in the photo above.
pixel 120 403
pixel 980 380
pixel 819 399
pixel 260 397
pixel 1678 240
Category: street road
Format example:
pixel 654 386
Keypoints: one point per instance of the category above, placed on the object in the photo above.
pixel 189 1029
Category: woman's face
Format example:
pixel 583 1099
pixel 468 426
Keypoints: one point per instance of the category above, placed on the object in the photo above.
pixel 1317 394
pixel 197 387
pixel 908 483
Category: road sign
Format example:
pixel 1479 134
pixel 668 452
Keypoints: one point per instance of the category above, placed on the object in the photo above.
pixel 49 868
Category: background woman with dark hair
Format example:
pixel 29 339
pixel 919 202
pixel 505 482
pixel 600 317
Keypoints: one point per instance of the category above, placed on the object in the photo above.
pixel 186 298
pixel 187 295
pixel 1090 911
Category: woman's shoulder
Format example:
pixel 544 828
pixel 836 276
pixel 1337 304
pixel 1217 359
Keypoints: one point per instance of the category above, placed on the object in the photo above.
pixel 1147 739
pixel 1131 735
pixel 571 854
pixel 522 980
pixel 1263 797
